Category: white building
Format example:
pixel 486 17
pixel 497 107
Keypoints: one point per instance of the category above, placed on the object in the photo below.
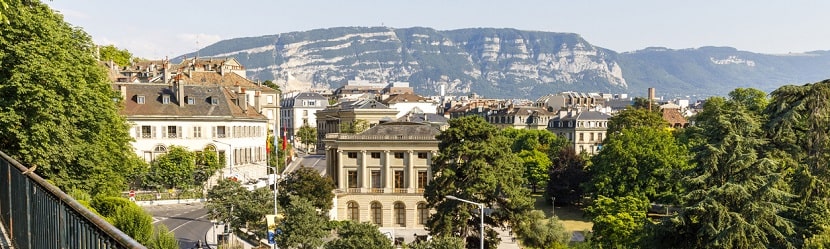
pixel 298 109
pixel 199 118
pixel 407 103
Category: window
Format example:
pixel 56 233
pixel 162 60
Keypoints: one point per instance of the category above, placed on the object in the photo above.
pixel 422 179
pixel 599 136
pixel 400 214
pixel 146 131
pixel 220 132
pixel 269 114
pixel 165 99
pixel 377 213
pixel 352 154
pixel 423 213
pixel 312 103
pixel 269 99
pixel 139 99
pixel 191 101
pixel 581 137
pixel 354 211
pixel 305 113
pixel 172 131
pixel 592 137
pixel 422 155
pixel 399 155
pixel 214 100
pixel 352 179
pixel 399 180
pixel 197 131
pixel 375 155
pixel 376 179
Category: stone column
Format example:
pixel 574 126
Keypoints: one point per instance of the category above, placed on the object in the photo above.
pixel 341 174
pixel 389 185
pixel 364 175
pixel 411 174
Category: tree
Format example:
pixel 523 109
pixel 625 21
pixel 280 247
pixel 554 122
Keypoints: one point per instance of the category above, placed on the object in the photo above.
pixel 632 118
pixel 175 169
pixel 472 164
pixel 303 226
pixel 270 84
pixel 644 103
pixel 353 235
pixel 119 56
pixel 734 195
pixel 307 183
pixel 358 126
pixel 618 221
pixel 126 216
pixel 532 146
pixel 57 109
pixel 798 129
pixel 640 161
pixel 443 242
pixel 537 232
pixel 308 135
pixel 206 165
pixel 567 176
pixel 225 195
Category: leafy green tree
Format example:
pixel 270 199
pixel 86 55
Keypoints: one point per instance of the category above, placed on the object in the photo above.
pixel 222 197
pixel 303 226
pixel 536 165
pixel 135 222
pixel 532 146
pixel 121 57
pixel 734 195
pixel 174 169
pixel 618 221
pixel 640 161
pixel 358 126
pixel 799 133
pixel 206 165
pixel 308 184
pixel 272 85
pixel 443 242
pixel 537 232
pixel 353 235
pixel 163 238
pixel 752 99
pixel 566 177
pixel 57 109
pixel 644 103
pixel 472 164
pixel 633 117
pixel 308 135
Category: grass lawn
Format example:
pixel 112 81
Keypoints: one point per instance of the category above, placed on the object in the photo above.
pixel 570 216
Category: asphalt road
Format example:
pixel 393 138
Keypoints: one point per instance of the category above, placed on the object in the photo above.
pixel 188 221
pixel 317 162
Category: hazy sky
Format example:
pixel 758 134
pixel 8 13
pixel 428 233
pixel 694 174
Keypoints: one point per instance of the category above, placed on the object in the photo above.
pixel 153 29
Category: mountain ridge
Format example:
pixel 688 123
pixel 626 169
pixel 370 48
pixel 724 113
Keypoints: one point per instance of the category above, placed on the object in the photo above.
pixel 506 63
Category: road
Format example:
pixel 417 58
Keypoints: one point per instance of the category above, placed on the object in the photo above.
pixel 188 221
pixel 317 162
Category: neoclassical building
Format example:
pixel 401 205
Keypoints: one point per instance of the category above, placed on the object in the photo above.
pixel 380 174
pixel 585 130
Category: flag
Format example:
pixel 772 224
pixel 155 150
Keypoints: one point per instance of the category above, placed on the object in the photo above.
pixel 284 139
pixel 267 147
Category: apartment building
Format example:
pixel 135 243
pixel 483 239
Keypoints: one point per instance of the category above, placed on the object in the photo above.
pixel 584 129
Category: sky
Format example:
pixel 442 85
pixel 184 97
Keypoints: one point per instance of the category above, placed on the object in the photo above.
pixel 154 29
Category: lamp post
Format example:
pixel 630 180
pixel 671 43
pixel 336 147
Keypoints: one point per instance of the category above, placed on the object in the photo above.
pixel 230 155
pixel 480 207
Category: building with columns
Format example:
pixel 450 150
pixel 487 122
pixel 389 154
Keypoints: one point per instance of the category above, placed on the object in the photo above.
pixel 380 174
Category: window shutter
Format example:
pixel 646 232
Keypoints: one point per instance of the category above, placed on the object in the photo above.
pixel 163 132
pixel 214 132
pixel 137 131
pixel 179 132
pixel 153 133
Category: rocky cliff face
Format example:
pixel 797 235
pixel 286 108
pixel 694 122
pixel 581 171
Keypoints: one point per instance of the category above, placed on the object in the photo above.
pixel 493 62
pixel 506 63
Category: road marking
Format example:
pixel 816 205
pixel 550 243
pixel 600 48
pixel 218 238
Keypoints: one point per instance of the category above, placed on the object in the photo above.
pixel 197 218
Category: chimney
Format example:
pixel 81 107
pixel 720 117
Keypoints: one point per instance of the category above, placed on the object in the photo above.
pixel 257 105
pixel 166 73
pixel 123 90
pixel 180 93
pixel 651 94
pixel 242 99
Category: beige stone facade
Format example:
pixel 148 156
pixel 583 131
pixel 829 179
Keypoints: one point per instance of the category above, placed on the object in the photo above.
pixel 380 174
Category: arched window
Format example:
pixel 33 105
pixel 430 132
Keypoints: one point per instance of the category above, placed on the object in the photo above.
pixel 423 213
pixel 210 147
pixel 160 149
pixel 377 213
pixel 354 211
pixel 400 214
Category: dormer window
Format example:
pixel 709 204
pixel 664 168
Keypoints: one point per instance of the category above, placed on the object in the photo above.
pixel 165 99
pixel 190 101
pixel 139 99
pixel 214 100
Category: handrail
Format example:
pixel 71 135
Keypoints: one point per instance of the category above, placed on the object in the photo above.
pixel 36 214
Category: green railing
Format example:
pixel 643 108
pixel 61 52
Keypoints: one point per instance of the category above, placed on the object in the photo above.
pixel 36 214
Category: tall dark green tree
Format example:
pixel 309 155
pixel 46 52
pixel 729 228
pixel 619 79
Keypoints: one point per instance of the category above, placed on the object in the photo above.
pixel 473 164
pixel 307 183
pixel 799 133
pixel 566 177
pixel 735 197
pixel 303 226
pixel 58 111
pixel 533 147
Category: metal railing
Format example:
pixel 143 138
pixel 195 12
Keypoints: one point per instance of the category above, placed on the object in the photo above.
pixel 36 214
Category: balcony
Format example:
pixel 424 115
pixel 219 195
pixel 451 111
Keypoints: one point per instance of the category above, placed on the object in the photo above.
pixel 353 190
pixel 376 190
pixel 419 190
pixel 400 191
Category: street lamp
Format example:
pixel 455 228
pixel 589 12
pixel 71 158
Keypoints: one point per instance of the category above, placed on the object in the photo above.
pixel 480 207
pixel 230 154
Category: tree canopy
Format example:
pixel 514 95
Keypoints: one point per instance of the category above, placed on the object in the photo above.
pixel 303 226
pixel 472 164
pixel 307 135
pixel 354 235
pixel 633 117
pixel 307 183
pixel 59 111
pixel 122 57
